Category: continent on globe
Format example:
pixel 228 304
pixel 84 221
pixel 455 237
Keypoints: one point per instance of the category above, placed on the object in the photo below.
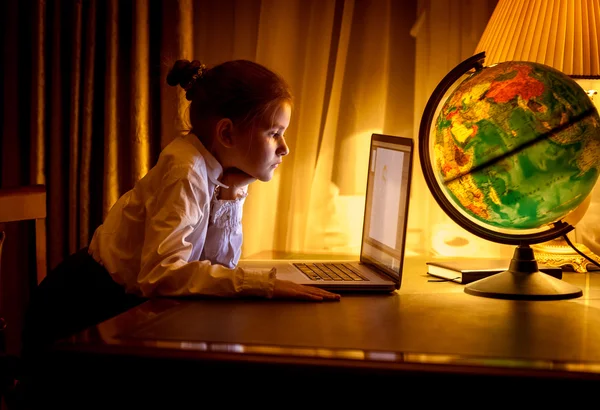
pixel 517 145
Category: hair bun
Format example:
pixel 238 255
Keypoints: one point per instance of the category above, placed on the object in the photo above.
pixel 184 73
pixel 177 74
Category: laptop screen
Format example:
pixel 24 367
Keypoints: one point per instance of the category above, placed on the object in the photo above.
pixel 386 205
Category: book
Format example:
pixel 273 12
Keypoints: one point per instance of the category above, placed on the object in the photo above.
pixel 469 270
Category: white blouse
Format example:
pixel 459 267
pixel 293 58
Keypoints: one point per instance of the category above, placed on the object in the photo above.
pixel 168 236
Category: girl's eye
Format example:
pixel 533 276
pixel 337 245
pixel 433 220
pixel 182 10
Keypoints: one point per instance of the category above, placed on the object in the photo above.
pixel 276 135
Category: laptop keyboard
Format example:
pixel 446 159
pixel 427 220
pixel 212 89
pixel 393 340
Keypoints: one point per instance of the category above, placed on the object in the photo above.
pixel 331 271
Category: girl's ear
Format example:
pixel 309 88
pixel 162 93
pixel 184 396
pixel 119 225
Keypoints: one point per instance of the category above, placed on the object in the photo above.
pixel 224 132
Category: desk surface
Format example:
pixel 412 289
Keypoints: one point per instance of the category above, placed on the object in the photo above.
pixel 428 326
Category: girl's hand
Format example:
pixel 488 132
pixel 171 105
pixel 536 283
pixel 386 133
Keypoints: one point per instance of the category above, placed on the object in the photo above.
pixel 284 289
pixel 237 181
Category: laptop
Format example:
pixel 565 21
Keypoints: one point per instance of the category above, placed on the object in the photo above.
pixel 379 267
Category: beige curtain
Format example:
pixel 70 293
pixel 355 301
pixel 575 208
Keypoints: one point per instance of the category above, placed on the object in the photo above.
pixel 446 33
pixel 350 65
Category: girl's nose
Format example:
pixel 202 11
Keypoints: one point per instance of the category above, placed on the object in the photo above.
pixel 283 148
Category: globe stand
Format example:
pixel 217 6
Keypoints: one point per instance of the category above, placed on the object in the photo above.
pixel 523 281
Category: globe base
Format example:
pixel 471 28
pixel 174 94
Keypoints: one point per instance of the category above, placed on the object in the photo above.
pixel 523 281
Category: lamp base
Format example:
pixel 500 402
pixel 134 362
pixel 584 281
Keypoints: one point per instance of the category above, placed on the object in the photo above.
pixel 523 281
pixel 557 252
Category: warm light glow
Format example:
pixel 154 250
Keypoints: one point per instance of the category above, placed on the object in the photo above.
pixel 338 219
pixel 448 239
pixel 563 34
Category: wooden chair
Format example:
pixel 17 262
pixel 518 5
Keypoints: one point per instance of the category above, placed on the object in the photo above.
pixel 20 204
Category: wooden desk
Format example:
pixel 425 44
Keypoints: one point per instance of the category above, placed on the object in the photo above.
pixel 426 334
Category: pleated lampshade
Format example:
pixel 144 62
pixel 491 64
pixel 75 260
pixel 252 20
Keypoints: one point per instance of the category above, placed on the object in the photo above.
pixel 564 34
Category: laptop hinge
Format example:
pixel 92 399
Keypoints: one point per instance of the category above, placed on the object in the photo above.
pixel 382 272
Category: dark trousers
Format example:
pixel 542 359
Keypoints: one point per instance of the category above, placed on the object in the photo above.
pixel 77 294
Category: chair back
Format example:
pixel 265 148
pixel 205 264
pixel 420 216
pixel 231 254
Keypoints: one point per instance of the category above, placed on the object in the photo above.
pixel 28 203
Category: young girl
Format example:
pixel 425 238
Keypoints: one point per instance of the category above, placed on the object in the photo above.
pixel 178 231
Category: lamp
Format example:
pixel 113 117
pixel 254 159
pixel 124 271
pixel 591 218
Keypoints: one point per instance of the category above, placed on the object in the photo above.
pixel 565 35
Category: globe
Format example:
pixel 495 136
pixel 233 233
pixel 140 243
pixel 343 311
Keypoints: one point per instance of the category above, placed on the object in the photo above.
pixel 513 147
pixel 509 151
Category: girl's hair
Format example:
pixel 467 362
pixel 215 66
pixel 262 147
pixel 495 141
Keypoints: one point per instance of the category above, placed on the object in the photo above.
pixel 240 90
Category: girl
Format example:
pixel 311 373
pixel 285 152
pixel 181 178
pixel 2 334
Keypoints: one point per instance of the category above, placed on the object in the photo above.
pixel 178 231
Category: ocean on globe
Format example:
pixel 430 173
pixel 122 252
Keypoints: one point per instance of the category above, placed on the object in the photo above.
pixel 517 145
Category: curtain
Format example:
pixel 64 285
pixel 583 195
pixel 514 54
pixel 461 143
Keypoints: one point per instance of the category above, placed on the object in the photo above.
pixel 350 65
pixel 447 32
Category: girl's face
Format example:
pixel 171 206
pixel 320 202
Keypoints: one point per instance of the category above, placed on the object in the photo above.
pixel 261 149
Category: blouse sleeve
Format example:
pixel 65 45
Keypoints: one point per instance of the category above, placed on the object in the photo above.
pixel 166 268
